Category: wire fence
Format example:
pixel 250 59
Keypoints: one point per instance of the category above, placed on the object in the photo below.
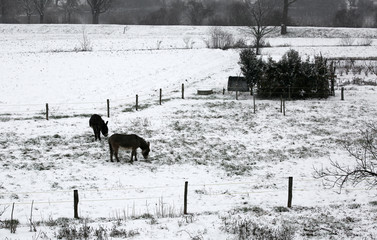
pixel 65 109
pixel 109 107
pixel 140 200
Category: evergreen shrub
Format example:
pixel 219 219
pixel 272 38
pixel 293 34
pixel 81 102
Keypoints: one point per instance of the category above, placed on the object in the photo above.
pixel 288 77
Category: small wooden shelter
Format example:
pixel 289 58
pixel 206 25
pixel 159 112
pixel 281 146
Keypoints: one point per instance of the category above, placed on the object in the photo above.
pixel 238 84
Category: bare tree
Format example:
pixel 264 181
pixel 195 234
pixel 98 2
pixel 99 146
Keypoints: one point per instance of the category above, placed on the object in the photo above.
pixel 371 67
pixel 28 8
pixel 3 10
pixel 284 21
pixel 260 11
pixel 197 12
pixel 40 6
pixel 8 10
pixel 364 151
pixel 176 9
pixel 69 7
pixel 97 7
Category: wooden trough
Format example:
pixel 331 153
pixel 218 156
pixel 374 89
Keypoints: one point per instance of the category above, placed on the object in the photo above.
pixel 205 91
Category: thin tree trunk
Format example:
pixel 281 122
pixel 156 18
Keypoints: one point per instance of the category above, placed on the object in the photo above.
pixel 95 18
pixel 41 18
pixel 28 18
pixel 3 9
pixel 285 18
pixel 257 43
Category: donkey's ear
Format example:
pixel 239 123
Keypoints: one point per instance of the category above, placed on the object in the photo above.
pixel 149 144
pixel 106 122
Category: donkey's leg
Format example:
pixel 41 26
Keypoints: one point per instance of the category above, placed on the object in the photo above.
pixel 116 154
pixel 132 156
pixel 95 134
pixel 111 152
pixel 99 134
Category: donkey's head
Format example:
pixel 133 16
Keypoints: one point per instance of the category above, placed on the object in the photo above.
pixel 105 129
pixel 146 150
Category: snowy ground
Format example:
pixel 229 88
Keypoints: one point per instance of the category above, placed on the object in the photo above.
pixel 237 163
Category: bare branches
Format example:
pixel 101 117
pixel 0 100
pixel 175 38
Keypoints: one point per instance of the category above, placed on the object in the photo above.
pixel 69 7
pixel 40 6
pixel 364 169
pixel 372 68
pixel 2 211
pixel 259 13
pixel 28 8
pixel 97 7
pixel 292 1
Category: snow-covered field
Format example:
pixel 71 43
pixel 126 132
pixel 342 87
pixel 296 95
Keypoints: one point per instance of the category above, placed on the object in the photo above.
pixel 237 163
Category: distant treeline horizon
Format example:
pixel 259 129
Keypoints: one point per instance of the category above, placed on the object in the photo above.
pixel 320 13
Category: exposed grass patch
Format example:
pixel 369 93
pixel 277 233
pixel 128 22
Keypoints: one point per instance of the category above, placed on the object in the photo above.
pixel 245 228
pixel 83 115
pixel 281 209
pixel 10 224
pixel 236 168
pixel 251 209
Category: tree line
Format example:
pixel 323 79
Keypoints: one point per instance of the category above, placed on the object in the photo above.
pixel 339 13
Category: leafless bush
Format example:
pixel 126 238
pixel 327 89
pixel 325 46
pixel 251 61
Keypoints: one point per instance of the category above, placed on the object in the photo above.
pixel 85 44
pixel 10 224
pixel 365 42
pixel 192 236
pixel 364 152
pixel 240 43
pixel 372 68
pixel 158 44
pixel 347 41
pixel 188 42
pixel 2 211
pixel 220 39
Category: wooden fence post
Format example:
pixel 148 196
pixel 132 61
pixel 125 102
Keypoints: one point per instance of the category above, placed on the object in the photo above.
pixel 32 226
pixel 223 91
pixel 290 187
pixel 46 111
pixel 185 199
pixel 160 96
pixel 281 103
pixel 284 107
pixel 333 70
pixel 137 102
pixel 254 102
pixel 342 94
pixel 12 227
pixel 236 95
pixel 108 108
pixel 76 203
pixel 183 91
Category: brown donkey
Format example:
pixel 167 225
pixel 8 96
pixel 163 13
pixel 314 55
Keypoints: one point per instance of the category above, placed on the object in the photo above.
pixel 131 141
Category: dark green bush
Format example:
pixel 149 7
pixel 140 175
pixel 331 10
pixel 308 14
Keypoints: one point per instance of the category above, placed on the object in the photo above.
pixel 290 77
pixel 251 66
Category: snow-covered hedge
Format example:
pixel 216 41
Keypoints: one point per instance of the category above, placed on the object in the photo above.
pixel 289 77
